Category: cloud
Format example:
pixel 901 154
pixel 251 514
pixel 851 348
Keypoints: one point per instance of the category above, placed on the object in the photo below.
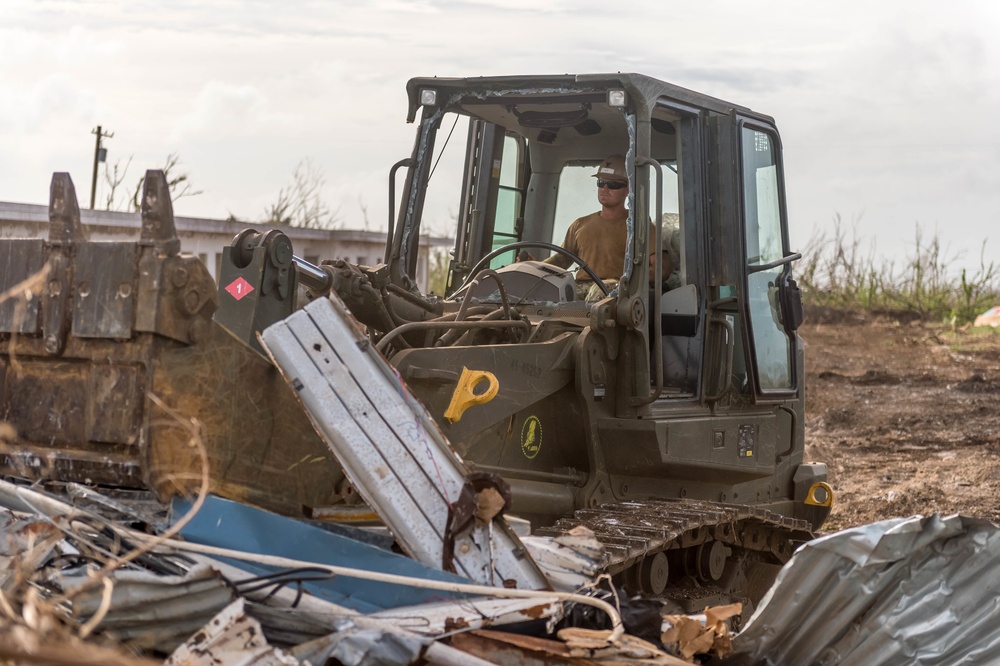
pixel 75 47
pixel 882 108
pixel 223 109
pixel 55 97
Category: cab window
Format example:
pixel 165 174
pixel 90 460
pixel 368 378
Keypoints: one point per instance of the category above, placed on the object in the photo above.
pixel 577 197
pixel 510 197
pixel 772 344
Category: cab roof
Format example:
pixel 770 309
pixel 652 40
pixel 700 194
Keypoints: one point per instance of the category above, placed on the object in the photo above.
pixel 642 90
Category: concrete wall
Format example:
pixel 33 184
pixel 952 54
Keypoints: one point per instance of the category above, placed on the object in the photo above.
pixel 206 238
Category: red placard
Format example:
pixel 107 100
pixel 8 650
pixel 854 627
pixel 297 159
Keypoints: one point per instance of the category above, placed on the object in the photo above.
pixel 239 288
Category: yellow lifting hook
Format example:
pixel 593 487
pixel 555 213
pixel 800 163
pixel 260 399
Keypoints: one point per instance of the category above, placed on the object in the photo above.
pixel 465 395
pixel 820 494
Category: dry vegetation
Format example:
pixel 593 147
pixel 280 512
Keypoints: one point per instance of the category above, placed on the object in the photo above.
pixel 844 271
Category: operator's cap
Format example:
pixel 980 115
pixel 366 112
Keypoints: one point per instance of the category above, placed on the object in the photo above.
pixel 612 168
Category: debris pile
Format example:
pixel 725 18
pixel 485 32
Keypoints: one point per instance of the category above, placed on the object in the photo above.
pixel 117 578
pixel 119 575
pixel 706 634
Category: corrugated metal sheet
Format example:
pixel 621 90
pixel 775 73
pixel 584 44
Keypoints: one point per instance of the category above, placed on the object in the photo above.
pixel 907 591
pixel 315 625
pixel 355 646
pixel 391 449
pixel 151 609
pixel 155 611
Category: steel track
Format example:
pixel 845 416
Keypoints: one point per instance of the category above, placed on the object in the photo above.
pixel 634 530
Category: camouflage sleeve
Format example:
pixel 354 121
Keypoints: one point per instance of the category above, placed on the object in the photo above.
pixel 667 255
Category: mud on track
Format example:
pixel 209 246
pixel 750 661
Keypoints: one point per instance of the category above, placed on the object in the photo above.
pixel 905 413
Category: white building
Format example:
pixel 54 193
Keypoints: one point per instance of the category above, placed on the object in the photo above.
pixel 207 238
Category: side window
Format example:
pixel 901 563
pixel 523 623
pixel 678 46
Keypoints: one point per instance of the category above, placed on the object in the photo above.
pixel 510 197
pixel 772 345
pixel 670 200
pixel 445 178
pixel 494 178
pixel 665 147
pixel 577 197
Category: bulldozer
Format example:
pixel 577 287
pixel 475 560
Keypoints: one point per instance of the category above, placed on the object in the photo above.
pixel 668 418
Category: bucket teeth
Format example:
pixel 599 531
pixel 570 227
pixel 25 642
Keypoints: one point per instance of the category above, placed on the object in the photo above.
pixel 64 211
pixel 158 214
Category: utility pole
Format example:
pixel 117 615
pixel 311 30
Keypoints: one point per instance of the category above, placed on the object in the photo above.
pixel 100 155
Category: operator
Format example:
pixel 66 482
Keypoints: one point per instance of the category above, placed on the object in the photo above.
pixel 599 238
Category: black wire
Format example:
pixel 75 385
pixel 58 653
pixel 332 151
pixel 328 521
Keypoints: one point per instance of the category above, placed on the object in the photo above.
pixel 441 154
pixel 281 579
pixel 72 559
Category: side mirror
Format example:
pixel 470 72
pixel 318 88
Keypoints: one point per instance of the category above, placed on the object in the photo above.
pixel 791 304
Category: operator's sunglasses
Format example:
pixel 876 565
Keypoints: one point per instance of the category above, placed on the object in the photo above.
pixel 611 184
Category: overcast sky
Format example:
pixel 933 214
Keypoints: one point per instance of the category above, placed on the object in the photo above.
pixel 888 110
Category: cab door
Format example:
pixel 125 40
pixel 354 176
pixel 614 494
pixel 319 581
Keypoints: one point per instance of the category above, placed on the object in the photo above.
pixel 767 270
pixel 493 194
pixel 737 441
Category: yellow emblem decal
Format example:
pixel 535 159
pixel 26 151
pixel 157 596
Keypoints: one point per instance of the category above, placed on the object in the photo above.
pixel 531 437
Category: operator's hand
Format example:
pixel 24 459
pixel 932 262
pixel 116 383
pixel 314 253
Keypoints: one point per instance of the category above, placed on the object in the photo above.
pixel 524 255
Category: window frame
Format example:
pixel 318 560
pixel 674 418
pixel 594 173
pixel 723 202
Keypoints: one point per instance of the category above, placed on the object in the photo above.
pixel 781 394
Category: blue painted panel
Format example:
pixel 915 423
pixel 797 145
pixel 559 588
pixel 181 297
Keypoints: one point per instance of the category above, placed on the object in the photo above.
pixel 227 524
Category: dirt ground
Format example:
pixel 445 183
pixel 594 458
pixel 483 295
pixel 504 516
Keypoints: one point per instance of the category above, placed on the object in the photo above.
pixel 905 413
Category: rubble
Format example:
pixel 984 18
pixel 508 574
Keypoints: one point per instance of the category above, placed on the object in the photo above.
pixel 705 634
pixel 231 638
pixel 105 576
pixel 248 587
pixel 79 574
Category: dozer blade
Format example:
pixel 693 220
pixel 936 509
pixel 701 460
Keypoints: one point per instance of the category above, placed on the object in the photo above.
pixel 111 366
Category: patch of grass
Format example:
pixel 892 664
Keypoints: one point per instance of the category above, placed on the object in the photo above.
pixel 975 340
pixel 844 271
